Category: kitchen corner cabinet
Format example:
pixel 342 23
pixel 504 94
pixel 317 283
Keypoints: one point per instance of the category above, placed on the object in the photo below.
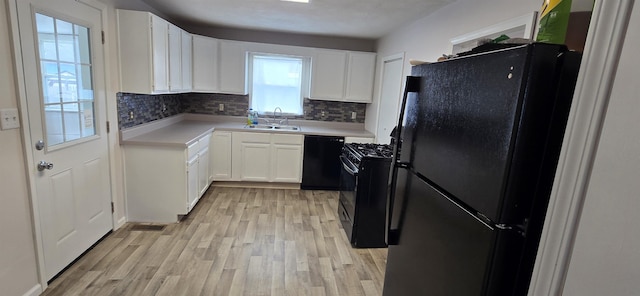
pixel 220 156
pixel 186 58
pixel 143 49
pixel 343 76
pixel 232 67
pixel 175 58
pixel 163 182
pixel 179 59
pixel 155 55
pixel 205 64
pixel 263 157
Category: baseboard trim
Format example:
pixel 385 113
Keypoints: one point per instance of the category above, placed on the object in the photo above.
pixel 256 185
pixel 120 223
pixel 34 291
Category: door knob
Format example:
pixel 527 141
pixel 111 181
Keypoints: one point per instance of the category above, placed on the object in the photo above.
pixel 42 165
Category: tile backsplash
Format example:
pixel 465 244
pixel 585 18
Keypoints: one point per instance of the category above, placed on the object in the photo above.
pixel 136 109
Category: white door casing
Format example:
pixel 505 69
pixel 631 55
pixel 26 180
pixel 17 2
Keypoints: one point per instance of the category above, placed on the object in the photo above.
pixel 390 92
pixel 66 108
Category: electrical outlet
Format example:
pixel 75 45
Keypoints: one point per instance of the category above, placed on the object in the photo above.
pixel 354 115
pixel 221 107
pixel 130 115
pixel 323 114
pixel 10 119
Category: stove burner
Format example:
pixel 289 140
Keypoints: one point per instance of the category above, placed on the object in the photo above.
pixel 371 150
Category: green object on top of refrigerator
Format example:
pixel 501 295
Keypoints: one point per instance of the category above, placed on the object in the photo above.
pixel 554 20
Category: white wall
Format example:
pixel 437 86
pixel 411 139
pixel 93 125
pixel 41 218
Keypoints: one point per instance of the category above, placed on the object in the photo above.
pixel 606 254
pixel 429 38
pixel 18 272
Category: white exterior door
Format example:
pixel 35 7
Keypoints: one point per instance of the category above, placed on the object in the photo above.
pixel 64 82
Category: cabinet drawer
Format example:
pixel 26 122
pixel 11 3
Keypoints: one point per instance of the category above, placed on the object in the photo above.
pixel 197 146
pixel 193 149
pixel 287 139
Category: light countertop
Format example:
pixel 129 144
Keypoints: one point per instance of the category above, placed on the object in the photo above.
pixel 184 129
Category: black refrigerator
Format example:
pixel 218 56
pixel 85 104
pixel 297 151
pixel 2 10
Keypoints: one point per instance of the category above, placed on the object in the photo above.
pixel 479 140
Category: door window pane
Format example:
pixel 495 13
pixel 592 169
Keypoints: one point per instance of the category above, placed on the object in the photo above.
pixel 67 80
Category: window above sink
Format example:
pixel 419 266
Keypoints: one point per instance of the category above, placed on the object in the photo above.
pixel 278 81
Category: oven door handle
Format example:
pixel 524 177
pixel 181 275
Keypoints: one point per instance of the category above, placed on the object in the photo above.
pixel 347 167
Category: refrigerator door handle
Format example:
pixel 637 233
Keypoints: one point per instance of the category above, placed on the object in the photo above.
pixel 519 229
pixel 412 84
pixel 403 165
pixel 391 235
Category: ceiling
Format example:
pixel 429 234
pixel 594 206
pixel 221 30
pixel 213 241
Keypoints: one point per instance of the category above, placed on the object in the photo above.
pixel 370 19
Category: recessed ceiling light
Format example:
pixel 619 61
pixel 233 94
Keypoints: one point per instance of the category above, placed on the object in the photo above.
pixel 298 1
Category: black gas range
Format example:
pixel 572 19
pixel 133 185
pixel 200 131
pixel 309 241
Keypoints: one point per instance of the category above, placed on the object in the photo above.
pixel 363 192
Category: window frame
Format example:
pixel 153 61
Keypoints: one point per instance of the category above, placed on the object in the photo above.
pixel 305 80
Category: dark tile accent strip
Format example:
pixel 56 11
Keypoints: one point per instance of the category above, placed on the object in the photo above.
pixel 147 108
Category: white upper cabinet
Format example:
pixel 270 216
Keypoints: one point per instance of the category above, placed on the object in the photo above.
pixel 360 75
pixel 233 64
pixel 205 64
pixel 187 60
pixel 343 76
pixel 175 58
pixel 219 65
pixel 328 70
pixel 155 55
pixel 143 52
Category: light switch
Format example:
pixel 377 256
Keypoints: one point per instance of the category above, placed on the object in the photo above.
pixel 221 107
pixel 9 118
pixel 354 115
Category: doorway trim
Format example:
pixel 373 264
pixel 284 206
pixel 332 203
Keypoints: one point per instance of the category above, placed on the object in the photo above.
pixel 604 43
pixel 391 57
pixel 26 128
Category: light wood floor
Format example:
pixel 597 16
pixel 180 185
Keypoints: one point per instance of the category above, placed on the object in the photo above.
pixel 235 242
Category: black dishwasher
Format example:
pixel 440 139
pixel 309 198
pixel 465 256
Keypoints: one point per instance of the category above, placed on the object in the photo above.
pixel 321 163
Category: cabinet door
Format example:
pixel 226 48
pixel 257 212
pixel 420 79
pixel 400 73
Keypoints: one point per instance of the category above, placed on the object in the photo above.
pixel 286 163
pixel 203 169
pixel 193 192
pixel 205 64
pixel 360 73
pixel 233 59
pixel 328 70
pixel 175 58
pixel 186 62
pixel 254 161
pixel 251 156
pixel 159 40
pixel 220 156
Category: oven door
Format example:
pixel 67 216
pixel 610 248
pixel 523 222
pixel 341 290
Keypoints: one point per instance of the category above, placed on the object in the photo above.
pixel 348 193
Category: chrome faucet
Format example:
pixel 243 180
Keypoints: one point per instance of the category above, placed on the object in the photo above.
pixel 274 113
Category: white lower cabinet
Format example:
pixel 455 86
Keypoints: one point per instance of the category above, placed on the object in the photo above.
pixel 286 158
pixel 264 157
pixel 193 191
pixel 220 153
pixel 203 166
pixel 163 182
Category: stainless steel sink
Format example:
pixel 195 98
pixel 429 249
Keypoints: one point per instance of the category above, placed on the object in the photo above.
pixel 273 127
